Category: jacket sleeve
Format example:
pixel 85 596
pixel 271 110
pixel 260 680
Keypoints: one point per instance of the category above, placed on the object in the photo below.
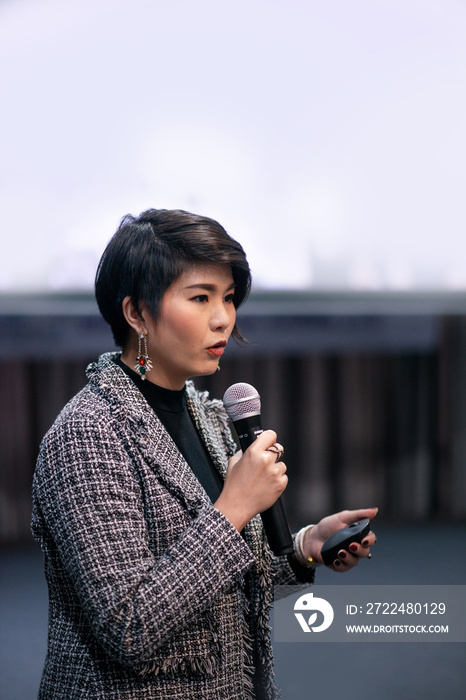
pixel 287 571
pixel 88 496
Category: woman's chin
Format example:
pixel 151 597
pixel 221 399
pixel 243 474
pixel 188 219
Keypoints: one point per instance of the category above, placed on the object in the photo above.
pixel 208 370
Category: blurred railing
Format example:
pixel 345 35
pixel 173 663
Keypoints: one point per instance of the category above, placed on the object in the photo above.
pixel 367 392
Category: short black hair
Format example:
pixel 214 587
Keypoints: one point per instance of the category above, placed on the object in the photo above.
pixel 149 252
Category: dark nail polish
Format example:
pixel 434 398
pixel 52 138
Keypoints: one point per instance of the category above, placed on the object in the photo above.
pixel 365 543
pixel 342 554
pixel 353 547
pixel 337 563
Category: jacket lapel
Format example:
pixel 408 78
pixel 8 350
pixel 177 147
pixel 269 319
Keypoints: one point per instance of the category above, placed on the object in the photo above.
pixel 142 427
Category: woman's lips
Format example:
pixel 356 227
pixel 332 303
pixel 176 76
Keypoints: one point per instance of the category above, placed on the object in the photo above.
pixel 216 350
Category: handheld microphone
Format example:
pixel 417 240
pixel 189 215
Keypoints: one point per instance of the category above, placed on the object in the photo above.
pixel 243 405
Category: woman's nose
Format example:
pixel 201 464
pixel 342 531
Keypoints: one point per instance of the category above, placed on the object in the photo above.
pixel 221 317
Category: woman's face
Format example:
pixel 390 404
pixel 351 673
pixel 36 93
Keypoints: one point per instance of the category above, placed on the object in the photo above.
pixel 196 318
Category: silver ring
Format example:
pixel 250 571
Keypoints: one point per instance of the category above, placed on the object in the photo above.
pixel 277 451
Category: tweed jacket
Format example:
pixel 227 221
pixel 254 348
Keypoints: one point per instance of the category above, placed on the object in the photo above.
pixel 153 594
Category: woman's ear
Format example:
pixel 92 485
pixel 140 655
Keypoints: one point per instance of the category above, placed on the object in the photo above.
pixel 132 315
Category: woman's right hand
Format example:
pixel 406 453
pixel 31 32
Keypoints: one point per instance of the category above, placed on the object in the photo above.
pixel 253 482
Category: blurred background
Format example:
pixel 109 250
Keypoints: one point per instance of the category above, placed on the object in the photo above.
pixel 328 138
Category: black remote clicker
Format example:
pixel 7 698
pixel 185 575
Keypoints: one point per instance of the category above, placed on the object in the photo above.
pixel 343 538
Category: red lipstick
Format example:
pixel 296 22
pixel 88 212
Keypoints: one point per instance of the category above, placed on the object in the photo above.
pixel 218 349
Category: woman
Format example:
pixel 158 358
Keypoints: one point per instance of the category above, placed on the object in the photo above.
pixel 160 581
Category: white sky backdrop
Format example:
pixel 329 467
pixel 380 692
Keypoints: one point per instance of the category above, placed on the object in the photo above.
pixel 327 136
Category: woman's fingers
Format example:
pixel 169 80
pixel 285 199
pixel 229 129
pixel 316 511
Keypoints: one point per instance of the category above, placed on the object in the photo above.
pixel 348 559
pixel 363 549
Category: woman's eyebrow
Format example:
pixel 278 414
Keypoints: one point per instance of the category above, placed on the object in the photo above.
pixel 208 287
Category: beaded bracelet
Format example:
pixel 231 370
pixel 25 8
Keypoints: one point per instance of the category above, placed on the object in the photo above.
pixel 299 551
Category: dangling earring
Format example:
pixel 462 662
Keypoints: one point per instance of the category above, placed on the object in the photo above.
pixel 143 361
pixel 218 366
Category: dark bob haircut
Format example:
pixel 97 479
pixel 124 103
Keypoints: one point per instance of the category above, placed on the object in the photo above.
pixel 149 252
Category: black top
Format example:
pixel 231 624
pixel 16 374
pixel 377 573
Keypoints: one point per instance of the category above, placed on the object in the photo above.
pixel 170 407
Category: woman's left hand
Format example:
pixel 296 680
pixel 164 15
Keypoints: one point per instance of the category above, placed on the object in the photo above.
pixel 316 536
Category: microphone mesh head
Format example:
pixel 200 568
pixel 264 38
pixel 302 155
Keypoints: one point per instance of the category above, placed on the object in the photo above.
pixel 242 400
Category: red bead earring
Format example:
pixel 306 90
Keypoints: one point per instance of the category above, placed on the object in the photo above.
pixel 143 361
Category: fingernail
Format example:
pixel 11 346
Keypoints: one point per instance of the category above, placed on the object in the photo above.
pixel 365 543
pixel 342 554
pixel 337 563
pixel 353 547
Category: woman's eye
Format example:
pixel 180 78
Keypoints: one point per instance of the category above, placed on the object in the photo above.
pixel 229 298
pixel 201 297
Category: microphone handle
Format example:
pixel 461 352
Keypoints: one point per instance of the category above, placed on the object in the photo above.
pixel 274 519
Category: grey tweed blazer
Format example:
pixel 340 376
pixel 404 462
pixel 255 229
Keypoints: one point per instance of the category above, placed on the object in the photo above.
pixel 152 592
